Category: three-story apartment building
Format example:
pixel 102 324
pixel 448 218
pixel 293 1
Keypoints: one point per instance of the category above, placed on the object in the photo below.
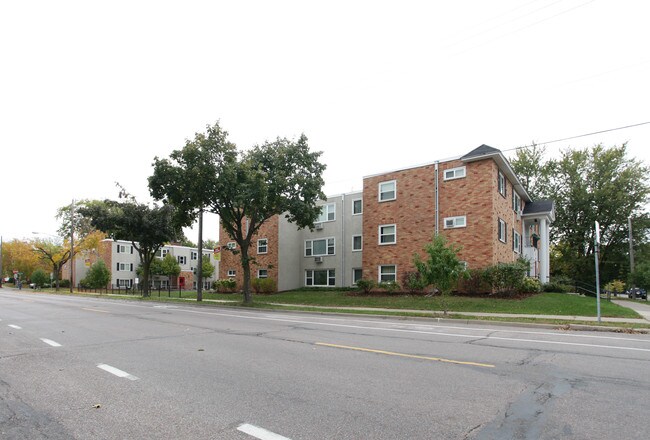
pixel 476 201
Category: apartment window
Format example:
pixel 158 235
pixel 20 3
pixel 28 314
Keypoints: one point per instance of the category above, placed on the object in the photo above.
pixel 501 183
pixel 357 274
pixel 320 247
pixel 194 255
pixel 123 249
pixel 502 228
pixel 262 246
pixel 322 278
pixel 357 206
pixel 124 283
pixel 455 222
pixel 516 241
pixel 124 267
pixel 387 234
pixel 231 245
pixel 387 191
pixel 516 202
pixel 182 259
pixel 454 173
pixel 327 213
pixel 163 252
pixel 357 242
pixel 262 273
pixel 388 273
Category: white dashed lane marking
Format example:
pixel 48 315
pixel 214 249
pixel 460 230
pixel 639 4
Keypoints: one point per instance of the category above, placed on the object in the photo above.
pixel 50 342
pixel 17 327
pixel 260 433
pixel 117 372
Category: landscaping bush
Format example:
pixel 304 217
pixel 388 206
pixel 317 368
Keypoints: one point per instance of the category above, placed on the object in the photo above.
pixel 506 278
pixel 98 276
pixel 39 277
pixel 228 285
pixel 555 286
pixel 64 283
pixel 474 283
pixel 389 286
pixel 413 282
pixel 366 285
pixel 615 286
pixel 264 285
pixel 530 285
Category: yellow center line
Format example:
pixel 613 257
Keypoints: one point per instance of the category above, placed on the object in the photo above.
pixel 95 310
pixel 413 356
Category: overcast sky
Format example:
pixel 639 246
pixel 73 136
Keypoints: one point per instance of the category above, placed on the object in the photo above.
pixel 92 91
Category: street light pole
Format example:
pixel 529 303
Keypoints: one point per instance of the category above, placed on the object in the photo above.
pixel 71 246
pixel 629 227
pixel 596 250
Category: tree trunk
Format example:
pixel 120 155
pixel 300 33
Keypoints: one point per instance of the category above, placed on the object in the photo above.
pixel 146 265
pixel 199 270
pixel 245 263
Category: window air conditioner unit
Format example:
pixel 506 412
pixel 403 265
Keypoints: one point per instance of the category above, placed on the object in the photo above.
pixel 318 259
pixel 318 226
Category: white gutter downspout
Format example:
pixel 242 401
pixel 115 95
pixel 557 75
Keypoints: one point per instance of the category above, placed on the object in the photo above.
pixel 343 243
pixel 436 188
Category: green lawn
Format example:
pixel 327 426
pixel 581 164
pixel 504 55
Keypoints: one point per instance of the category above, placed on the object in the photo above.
pixel 543 304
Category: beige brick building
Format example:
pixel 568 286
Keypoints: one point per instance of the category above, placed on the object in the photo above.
pixel 476 201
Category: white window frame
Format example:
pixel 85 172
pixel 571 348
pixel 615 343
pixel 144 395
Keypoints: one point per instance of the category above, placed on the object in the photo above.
pixel 124 267
pixel 330 247
pixel 263 243
pixel 501 184
pixel 354 212
pixel 182 259
pixel 331 277
pixel 459 221
pixel 516 241
pixel 456 173
pixel 381 234
pixel 194 255
pixel 232 273
pixel 354 271
pixel 516 202
pixel 231 245
pixel 381 191
pixel 502 231
pixel 327 214
pixel 259 273
pixel 380 274
pixel 360 248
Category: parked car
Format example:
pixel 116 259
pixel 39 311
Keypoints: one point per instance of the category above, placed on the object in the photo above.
pixel 637 293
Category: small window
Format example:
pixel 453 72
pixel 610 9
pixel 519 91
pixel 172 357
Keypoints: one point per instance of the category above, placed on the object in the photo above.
pixel 357 206
pixel 502 228
pixel 194 255
pixel 262 273
pixel 516 241
pixel 321 247
pixel 357 274
pixel 387 234
pixel 357 242
pixel 262 246
pixel 455 222
pixel 388 273
pixel 182 259
pixel 387 191
pixel 454 173
pixel 501 183
pixel 516 202
pixel 322 278
pixel 231 245
pixel 232 272
pixel 327 213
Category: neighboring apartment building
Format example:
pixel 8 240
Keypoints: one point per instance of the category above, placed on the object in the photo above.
pixel 476 201
pixel 123 260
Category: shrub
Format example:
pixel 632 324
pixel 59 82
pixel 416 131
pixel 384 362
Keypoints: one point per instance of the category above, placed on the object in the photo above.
pixel 64 283
pixel 366 285
pixel 530 285
pixel 39 277
pixel 389 286
pixel 98 276
pixel 555 286
pixel 228 285
pixel 413 282
pixel 263 285
pixel 506 278
pixel 475 282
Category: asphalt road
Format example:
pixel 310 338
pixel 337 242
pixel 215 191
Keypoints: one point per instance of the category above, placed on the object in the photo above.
pixel 84 368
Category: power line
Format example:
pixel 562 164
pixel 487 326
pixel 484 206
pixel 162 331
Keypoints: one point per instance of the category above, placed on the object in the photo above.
pixel 578 136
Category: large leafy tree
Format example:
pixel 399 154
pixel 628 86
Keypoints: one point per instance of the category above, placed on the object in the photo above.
pixel 19 255
pixel 148 228
pixel 593 184
pixel 54 253
pixel 98 276
pixel 188 178
pixel 279 177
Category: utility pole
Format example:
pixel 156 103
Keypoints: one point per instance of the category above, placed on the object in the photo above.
pixel 2 274
pixel 596 251
pixel 631 240
pixel 71 246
